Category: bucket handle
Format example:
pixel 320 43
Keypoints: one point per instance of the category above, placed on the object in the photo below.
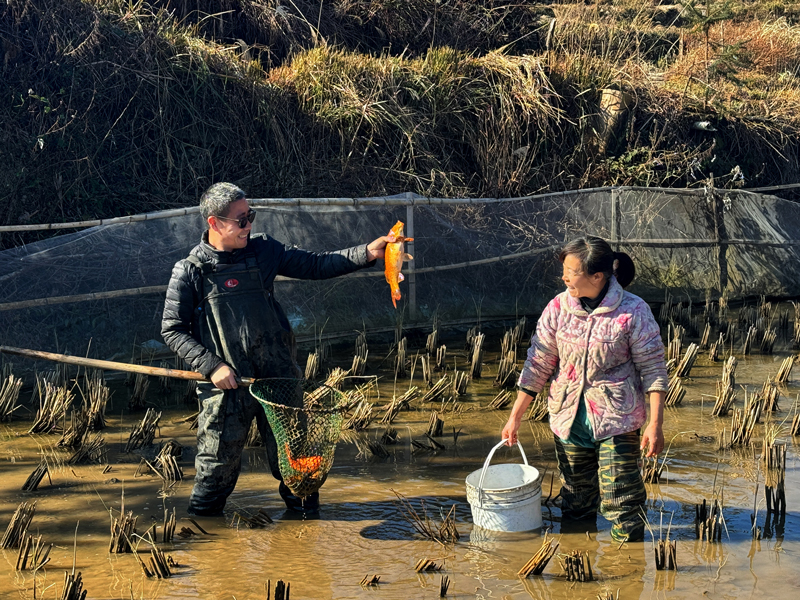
pixel 489 459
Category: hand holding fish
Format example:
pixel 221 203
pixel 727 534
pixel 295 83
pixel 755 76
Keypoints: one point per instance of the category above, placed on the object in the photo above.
pixel 377 248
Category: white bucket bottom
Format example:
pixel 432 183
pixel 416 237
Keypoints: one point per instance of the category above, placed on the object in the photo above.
pixel 514 517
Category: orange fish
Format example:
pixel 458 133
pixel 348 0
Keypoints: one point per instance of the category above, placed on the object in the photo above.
pixel 394 257
pixel 304 464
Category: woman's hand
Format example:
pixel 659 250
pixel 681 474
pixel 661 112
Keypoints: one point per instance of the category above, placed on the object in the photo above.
pixel 510 431
pixel 653 439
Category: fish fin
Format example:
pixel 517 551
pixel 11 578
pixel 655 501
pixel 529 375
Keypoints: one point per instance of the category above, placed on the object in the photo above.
pixel 400 277
pixel 407 257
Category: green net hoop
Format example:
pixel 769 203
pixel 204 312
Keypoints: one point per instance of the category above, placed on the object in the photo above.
pixel 306 418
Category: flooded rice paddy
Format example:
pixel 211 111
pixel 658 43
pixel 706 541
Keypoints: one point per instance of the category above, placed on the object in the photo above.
pixel 361 529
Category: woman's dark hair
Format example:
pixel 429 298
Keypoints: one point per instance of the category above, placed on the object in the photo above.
pixel 596 256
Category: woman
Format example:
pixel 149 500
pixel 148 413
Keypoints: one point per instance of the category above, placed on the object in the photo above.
pixel 605 347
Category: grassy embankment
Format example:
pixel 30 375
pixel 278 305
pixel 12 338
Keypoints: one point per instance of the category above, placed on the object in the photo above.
pixel 112 107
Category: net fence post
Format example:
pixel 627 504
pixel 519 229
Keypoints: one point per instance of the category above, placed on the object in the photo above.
pixel 412 278
pixel 615 219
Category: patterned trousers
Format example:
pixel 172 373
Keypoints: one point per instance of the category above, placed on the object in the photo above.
pixel 605 477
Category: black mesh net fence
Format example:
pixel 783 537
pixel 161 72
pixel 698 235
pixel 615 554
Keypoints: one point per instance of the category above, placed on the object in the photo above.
pixel 102 288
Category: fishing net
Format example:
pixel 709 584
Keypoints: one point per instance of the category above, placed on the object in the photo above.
pixel 306 419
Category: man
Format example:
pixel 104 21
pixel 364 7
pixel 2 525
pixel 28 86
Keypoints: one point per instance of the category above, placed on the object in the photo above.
pixel 221 317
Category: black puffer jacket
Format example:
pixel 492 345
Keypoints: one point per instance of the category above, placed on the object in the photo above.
pixel 179 325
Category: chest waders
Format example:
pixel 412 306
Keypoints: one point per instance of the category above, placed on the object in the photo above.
pixel 241 322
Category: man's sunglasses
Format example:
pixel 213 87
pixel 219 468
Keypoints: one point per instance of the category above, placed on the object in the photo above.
pixel 242 223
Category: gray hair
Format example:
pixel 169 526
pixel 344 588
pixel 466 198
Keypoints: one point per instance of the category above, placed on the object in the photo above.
pixel 216 200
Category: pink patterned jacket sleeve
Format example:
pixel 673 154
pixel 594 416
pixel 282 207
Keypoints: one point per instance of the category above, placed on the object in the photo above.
pixel 543 352
pixel 647 350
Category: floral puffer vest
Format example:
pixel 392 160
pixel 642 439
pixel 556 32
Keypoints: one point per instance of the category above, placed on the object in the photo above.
pixel 611 357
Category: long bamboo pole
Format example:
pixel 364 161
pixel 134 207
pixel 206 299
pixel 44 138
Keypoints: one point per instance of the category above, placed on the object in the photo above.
pixel 114 366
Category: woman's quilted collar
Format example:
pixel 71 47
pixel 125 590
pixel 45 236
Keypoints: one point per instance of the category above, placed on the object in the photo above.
pixel 611 302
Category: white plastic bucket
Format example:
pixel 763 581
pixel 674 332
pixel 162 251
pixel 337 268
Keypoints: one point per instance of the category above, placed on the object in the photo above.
pixel 505 497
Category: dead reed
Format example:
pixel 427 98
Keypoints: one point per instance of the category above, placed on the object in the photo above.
pixel 141 383
pixel 704 340
pixel 257 520
pixel 538 562
pixel 460 382
pixel 768 341
pixel 577 566
pixel 438 391
pixel 476 358
pixel 538 410
pixel 18 527
pixel 652 468
pixel 708 521
pixel 281 590
pixel 361 418
pixel 33 549
pixel 167 461
pixel 370 580
pixel 687 362
pixel 53 405
pixel 675 391
pixel 444 585
pixel 665 549
pixel 168 526
pixel 501 400
pixel 401 359
pixel 122 531
pixel 725 398
pixel 73 433
pixel 716 348
pixel 34 479
pixel 507 371
pixel 745 419
pixel 399 403
pixel 143 433
pixel 92 450
pixel 770 394
pixel 749 340
pixel 785 369
pixel 359 365
pixel 729 372
pixel 427 369
pixel 95 400
pixel 73 587
pixel 444 533
pixel 425 565
pixel 159 565
pixel 312 366
pixel 435 425
pixel 774 457
pixel 9 393
pixel 441 358
pixel 253 439
pixel 432 341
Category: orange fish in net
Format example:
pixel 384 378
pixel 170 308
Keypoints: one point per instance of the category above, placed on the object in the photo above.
pixel 304 464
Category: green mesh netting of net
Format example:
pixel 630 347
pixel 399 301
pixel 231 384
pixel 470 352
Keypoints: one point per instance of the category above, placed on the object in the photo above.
pixel 306 419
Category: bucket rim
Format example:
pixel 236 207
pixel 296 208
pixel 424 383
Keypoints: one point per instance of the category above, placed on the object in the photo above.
pixel 478 489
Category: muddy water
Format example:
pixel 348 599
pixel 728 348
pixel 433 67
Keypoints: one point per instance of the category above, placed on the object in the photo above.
pixel 361 530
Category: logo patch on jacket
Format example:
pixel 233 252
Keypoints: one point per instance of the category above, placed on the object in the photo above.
pixel 231 283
